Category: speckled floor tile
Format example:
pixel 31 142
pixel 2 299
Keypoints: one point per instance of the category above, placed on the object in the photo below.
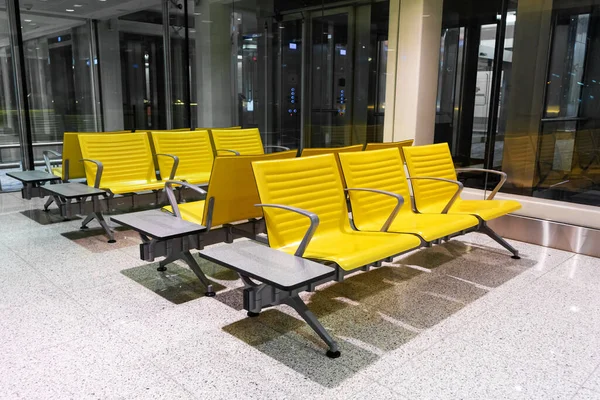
pixel 532 331
pixel 586 394
pixel 455 369
pixel 81 318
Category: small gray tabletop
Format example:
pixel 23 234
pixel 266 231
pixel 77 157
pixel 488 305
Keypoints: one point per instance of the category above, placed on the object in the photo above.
pixel 158 224
pixel 72 190
pixel 33 176
pixel 276 268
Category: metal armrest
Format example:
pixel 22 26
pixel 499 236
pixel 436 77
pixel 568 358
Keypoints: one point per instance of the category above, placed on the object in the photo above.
pixel 47 161
pixel 456 195
pixel 396 209
pixel 283 148
pixel 314 223
pixel 173 199
pixel 237 153
pixel 491 171
pixel 99 170
pixel 175 164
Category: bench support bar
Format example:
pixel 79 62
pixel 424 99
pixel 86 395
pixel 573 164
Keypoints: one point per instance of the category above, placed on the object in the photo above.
pixel 259 296
pixel 173 250
pixel 484 228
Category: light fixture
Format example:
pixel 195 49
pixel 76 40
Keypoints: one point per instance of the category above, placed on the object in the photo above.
pixel 27 20
pixel 77 5
pixel 69 10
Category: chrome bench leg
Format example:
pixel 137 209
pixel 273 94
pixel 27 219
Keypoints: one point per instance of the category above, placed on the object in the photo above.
pixel 102 221
pixel 297 304
pixel 48 202
pixel 98 216
pixel 499 239
pixel 187 257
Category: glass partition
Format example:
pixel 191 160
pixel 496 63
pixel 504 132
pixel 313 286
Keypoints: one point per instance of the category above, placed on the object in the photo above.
pixel 518 91
pixel 305 74
pixel 9 124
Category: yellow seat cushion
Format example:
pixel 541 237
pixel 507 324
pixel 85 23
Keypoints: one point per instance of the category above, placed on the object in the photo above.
pixel 57 171
pixel 428 226
pixel 484 209
pixel 197 178
pixel 192 212
pixel 134 187
pixel 351 249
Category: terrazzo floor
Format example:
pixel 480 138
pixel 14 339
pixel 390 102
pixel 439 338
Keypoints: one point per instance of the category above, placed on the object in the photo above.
pixel 84 319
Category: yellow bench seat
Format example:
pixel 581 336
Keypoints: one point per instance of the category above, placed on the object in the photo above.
pixel 58 171
pixel 428 226
pixel 352 249
pixel 135 187
pixel 192 212
pixel 485 209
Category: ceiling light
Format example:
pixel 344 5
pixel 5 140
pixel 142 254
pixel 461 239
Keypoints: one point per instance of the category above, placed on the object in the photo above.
pixel 27 20
pixel 77 5
pixel 69 10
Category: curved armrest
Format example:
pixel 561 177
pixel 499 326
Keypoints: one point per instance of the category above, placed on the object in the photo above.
pixel 175 163
pixel 99 170
pixel 396 209
pixel 171 195
pixel 314 223
pixel 503 178
pixel 47 161
pixel 282 148
pixel 237 153
pixel 456 195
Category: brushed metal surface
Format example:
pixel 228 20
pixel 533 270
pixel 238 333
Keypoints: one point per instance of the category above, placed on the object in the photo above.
pixel 572 238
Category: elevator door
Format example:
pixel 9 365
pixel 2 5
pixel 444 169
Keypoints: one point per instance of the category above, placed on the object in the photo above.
pixel 329 120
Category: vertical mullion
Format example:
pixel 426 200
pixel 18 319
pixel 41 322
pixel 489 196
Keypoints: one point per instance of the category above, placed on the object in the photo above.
pixel 21 91
pixel 167 64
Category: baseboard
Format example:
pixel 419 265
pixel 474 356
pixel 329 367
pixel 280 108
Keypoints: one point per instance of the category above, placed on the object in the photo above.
pixel 556 235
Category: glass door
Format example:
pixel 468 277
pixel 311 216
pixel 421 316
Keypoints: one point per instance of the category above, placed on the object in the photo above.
pixel 331 76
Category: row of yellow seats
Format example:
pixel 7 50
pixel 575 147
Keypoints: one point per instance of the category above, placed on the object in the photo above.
pixel 232 183
pixel 306 213
pixel 124 163
pixel 296 191
pixel 71 167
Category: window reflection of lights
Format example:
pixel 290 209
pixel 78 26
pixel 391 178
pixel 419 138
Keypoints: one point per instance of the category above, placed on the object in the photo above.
pixel 69 10
pixel 27 20
pixel 77 5
pixel 239 57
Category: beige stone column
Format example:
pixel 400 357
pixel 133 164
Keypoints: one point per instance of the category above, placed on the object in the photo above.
pixel 411 95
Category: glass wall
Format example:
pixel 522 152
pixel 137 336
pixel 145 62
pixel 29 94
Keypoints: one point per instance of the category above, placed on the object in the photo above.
pixel 517 92
pixel 9 124
pixel 305 74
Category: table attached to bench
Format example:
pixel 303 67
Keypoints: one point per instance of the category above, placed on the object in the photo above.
pixel 33 182
pixel 164 235
pixel 282 278
pixel 71 199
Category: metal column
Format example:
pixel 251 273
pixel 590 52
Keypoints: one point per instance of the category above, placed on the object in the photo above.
pixel 94 77
pixel 167 64
pixel 20 76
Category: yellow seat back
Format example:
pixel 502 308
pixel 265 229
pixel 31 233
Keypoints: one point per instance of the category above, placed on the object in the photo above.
pixel 72 168
pixel 126 158
pixel 316 151
pixel 432 160
pixel 312 184
pixel 244 141
pixel 377 169
pixel 233 188
pixel 390 145
pixel 193 149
